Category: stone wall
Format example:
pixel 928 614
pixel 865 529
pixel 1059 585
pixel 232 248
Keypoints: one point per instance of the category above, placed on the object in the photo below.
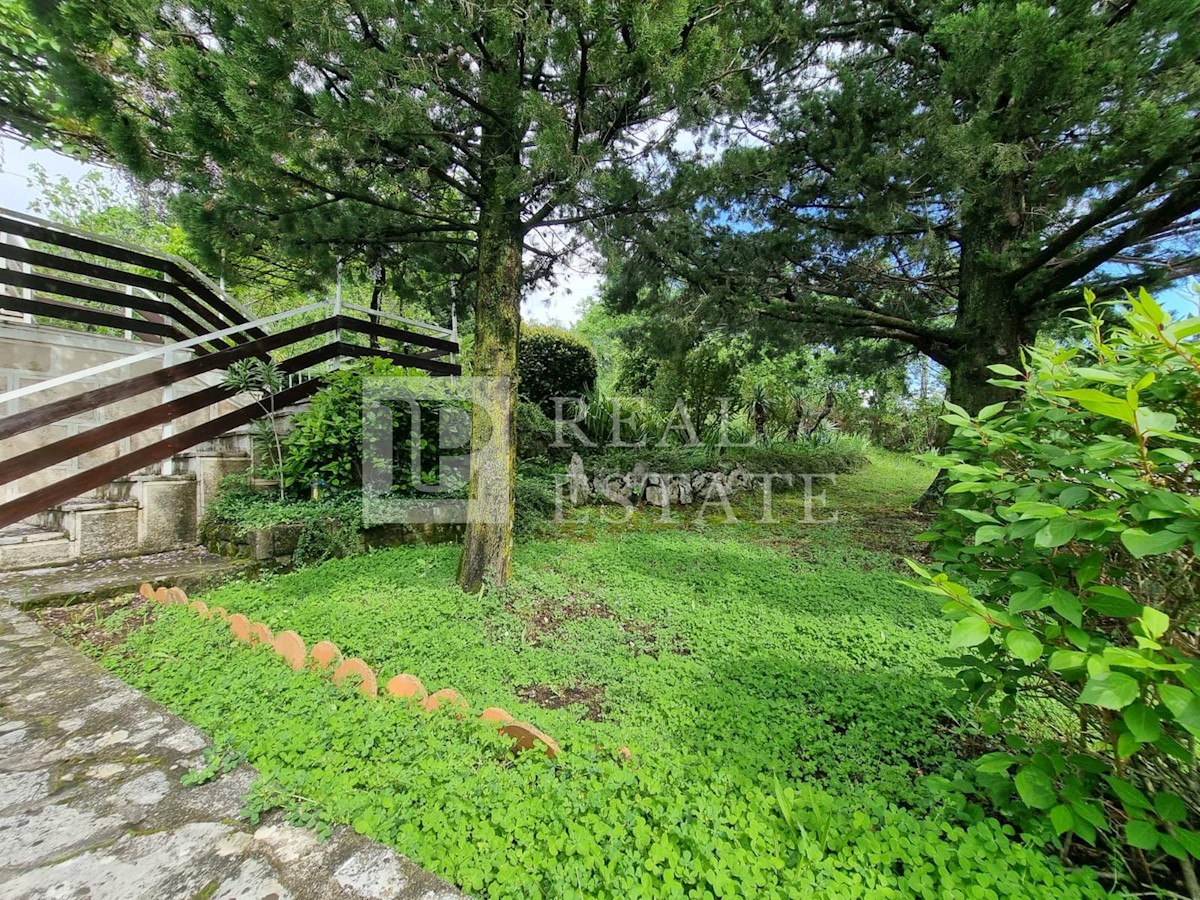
pixel 278 543
pixel 654 488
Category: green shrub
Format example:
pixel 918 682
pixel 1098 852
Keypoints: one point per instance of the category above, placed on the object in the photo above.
pixel 326 440
pixel 535 431
pixel 640 421
pixel 534 502
pixel 328 537
pixel 823 453
pixel 329 527
pixel 701 377
pixel 1068 560
pixel 554 363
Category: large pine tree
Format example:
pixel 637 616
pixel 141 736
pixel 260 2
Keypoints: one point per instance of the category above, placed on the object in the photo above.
pixel 323 128
pixel 943 175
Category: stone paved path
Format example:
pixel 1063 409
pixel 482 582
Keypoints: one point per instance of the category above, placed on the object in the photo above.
pixel 191 570
pixel 91 803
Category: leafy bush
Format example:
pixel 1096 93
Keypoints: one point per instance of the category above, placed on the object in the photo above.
pixel 1068 556
pixel 640 421
pixel 534 502
pixel 894 424
pixel 535 431
pixel 823 453
pixel 329 527
pixel 326 440
pixel 554 363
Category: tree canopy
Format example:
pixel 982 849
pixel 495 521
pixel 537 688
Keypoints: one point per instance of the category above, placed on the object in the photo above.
pixel 314 132
pixel 317 131
pixel 941 175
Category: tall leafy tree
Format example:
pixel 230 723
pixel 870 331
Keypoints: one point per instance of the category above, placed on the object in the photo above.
pixel 942 175
pixel 320 129
pixel 32 108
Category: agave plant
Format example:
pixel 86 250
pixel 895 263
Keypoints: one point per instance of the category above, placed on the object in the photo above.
pixel 758 410
pixel 597 417
pixel 797 410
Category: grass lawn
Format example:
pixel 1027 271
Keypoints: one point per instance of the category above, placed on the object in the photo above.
pixel 776 684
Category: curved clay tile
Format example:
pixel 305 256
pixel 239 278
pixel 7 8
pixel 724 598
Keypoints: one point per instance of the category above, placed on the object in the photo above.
pixel 260 633
pixel 290 646
pixel 445 695
pixel 496 714
pixel 355 666
pixel 240 626
pixel 201 607
pixel 407 687
pixel 325 654
pixel 525 736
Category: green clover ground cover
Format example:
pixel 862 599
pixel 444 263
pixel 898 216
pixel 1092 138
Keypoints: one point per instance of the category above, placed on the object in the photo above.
pixel 776 684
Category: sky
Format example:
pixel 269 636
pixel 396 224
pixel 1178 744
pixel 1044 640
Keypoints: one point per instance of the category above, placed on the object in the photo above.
pixel 16 192
pixel 559 303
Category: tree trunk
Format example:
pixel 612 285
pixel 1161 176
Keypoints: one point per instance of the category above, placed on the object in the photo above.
pixel 487 544
pixel 991 327
pixel 990 324
pixel 376 303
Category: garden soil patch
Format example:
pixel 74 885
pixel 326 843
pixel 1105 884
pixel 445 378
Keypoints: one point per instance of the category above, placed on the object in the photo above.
pixel 103 625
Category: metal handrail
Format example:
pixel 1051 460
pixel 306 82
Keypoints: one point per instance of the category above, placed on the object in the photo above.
pixel 415 323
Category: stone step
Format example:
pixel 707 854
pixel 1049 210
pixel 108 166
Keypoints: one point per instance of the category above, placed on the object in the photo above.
pixel 28 546
pixel 192 569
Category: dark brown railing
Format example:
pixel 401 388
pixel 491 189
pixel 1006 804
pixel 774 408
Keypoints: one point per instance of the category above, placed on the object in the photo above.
pixel 181 301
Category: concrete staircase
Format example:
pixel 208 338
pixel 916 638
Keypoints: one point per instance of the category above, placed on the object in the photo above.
pixel 151 511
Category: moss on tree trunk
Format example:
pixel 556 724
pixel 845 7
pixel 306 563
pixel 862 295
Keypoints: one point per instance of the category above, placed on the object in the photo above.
pixel 487 544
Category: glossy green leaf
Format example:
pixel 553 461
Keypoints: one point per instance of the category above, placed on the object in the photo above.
pixel 1035 787
pixel 1141 543
pixel 969 632
pixel 1024 646
pixel 1141 834
pixel 1110 690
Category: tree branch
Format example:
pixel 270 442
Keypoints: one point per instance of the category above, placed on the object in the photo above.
pixel 1184 201
pixel 1097 215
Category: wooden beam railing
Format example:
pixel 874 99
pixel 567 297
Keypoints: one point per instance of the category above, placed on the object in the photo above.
pixel 176 306
pixel 401 359
pixel 88 315
pixel 222 312
pixel 89 479
pixel 46 414
pixel 110 432
pixel 399 335
pixel 184 317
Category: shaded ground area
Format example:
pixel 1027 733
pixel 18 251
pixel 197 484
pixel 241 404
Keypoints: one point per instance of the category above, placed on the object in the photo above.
pixel 745 708
pixel 92 804
pixel 589 696
pixel 98 624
